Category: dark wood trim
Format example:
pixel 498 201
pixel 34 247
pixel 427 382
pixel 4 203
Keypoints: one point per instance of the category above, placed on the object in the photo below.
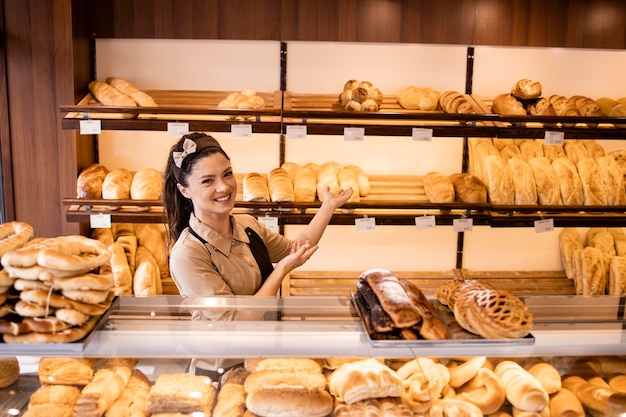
pixel 7 203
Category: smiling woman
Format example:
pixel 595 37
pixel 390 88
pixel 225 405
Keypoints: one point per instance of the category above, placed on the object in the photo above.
pixel 215 252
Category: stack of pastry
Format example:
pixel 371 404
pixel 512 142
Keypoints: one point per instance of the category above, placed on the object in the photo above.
pixel 61 293
pixel 597 263
pixel 244 99
pixel 359 96
pixel 485 311
pixel 286 386
pixel 396 309
pixel 139 262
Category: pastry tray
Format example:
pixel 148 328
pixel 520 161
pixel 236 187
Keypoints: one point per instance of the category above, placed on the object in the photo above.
pixel 57 348
pixel 457 336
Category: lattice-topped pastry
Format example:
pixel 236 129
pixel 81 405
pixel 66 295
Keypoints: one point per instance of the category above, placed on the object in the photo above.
pixel 498 314
pixel 448 293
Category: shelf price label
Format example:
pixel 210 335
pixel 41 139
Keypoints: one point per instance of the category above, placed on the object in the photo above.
pixel 296 132
pixel 464 224
pixel 422 135
pixel 554 138
pixel 269 222
pixel 177 128
pixel 365 224
pixel 354 133
pixel 425 222
pixel 544 225
pixel 241 131
pixel 100 221
pixel 90 127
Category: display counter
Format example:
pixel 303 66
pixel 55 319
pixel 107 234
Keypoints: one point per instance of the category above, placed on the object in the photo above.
pixel 313 326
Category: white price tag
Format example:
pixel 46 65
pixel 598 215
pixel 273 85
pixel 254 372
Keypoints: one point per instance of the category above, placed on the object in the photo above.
pixel 554 138
pixel 269 222
pixel 422 135
pixel 90 127
pixel 177 129
pixel 463 225
pixel 425 222
pixel 100 221
pixel 296 132
pixel 354 133
pixel 544 225
pixel 241 131
pixel 365 223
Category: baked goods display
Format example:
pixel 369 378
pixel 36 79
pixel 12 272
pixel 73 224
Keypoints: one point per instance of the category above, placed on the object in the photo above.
pixel 359 96
pixel 395 309
pixel 119 92
pixel 139 259
pixel 244 99
pixel 97 182
pixel 485 311
pixel 595 261
pixel 455 103
pixel 523 172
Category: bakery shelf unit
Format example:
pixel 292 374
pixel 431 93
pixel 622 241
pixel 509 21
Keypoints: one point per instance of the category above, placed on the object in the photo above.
pixel 395 200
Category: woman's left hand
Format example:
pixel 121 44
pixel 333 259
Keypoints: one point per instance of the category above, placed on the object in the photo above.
pixel 338 199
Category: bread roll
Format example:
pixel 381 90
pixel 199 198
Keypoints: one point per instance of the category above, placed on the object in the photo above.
pixel 361 178
pixel 547 182
pixel 9 370
pixel 523 182
pixel 553 152
pixel 565 404
pixel 546 375
pixel 277 402
pixel 280 185
pixel 613 179
pixel 594 397
pixel 468 189
pixel 65 371
pixel 308 380
pixel 506 104
pixel 283 364
pixel 479 150
pixel 348 179
pixel 438 188
pixel 149 236
pixel 617 276
pixel 116 184
pixel 109 95
pixel 89 183
pixel 123 278
pixel 365 379
pixel 304 184
pixel 575 151
pixel 530 149
pixel 522 389
pixel 147 184
pixel 594 149
pixel 499 177
pixel 147 278
pixel 510 150
pixel 327 178
pixel 418 98
pixel 592 183
pixel 129 243
pixel 526 89
pixel 569 182
pixel 181 393
pixel 139 97
pixel 54 395
pixel 484 391
pixel 569 242
pixel 255 187
pixel 589 271
pixel 230 401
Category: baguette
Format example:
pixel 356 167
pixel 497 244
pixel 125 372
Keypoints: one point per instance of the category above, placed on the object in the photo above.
pixel 604 400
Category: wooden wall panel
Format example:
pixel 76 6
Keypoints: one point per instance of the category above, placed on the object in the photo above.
pixel 554 23
pixel 6 197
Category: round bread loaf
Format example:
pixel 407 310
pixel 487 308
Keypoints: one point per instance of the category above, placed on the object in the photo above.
pixel 9 370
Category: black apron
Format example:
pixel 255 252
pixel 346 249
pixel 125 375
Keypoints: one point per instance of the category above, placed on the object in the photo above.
pixel 258 249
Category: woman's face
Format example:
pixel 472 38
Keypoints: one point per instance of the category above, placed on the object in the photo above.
pixel 211 185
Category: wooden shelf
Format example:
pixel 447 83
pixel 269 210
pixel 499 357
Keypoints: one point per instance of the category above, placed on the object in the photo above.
pixel 318 113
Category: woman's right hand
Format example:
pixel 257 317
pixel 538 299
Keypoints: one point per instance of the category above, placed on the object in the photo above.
pixel 300 253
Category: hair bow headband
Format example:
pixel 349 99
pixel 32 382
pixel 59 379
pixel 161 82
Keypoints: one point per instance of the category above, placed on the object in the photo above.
pixel 189 147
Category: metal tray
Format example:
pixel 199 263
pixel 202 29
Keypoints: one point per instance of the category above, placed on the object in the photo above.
pixel 56 348
pixel 457 336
